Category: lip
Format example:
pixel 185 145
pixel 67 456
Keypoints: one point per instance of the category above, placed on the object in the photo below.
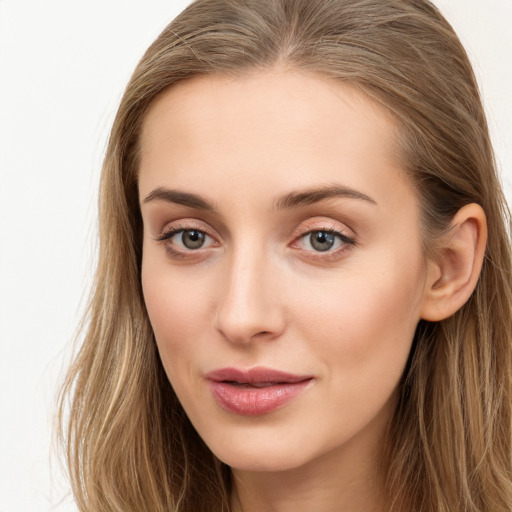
pixel 255 391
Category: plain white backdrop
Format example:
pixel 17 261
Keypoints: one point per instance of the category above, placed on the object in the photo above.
pixel 63 67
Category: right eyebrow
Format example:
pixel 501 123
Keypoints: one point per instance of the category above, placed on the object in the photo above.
pixel 178 197
pixel 310 196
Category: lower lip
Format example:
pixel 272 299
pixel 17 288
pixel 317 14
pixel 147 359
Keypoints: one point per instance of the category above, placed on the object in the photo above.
pixel 253 401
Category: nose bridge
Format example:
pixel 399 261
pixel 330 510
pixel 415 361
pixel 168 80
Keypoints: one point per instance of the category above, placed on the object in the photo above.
pixel 249 301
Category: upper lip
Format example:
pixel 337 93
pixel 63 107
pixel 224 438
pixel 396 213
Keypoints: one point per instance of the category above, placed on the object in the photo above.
pixel 257 375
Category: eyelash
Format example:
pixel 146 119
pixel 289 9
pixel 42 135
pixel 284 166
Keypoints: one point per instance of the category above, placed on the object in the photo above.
pixel 338 234
pixel 345 243
pixel 167 235
pixel 343 239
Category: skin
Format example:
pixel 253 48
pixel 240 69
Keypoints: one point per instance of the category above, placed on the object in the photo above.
pixel 257 293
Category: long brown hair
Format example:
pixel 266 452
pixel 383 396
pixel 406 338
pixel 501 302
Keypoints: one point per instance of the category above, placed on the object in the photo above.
pixel 129 443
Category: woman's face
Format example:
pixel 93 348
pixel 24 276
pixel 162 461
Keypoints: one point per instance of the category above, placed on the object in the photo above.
pixel 282 265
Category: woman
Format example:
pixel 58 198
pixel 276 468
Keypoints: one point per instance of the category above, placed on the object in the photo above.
pixel 303 293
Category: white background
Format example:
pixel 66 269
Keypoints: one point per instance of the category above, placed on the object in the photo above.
pixel 63 67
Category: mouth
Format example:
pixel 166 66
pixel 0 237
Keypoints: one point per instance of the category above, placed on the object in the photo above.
pixel 251 385
pixel 255 391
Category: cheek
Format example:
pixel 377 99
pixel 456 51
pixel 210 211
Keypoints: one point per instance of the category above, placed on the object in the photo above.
pixel 365 321
pixel 178 314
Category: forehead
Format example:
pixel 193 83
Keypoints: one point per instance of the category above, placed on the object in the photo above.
pixel 272 128
pixel 296 100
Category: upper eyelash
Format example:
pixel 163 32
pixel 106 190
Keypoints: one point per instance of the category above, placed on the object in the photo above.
pixel 345 238
pixel 165 235
pixel 177 253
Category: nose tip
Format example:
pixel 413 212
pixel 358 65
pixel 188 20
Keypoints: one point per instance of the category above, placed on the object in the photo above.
pixel 249 307
pixel 242 330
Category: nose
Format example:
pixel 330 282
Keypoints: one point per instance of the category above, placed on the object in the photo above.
pixel 250 304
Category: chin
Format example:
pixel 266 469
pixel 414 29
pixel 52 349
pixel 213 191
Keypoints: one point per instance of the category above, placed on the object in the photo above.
pixel 255 454
pixel 263 461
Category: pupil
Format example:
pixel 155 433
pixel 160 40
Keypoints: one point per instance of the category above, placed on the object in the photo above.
pixel 192 239
pixel 322 241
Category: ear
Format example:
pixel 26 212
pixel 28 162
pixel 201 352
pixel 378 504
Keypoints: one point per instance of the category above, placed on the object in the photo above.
pixel 453 275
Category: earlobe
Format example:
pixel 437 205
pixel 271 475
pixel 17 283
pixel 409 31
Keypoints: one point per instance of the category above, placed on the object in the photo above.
pixel 453 276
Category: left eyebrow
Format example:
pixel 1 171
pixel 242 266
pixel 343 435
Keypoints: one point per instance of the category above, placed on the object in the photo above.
pixel 179 197
pixel 315 195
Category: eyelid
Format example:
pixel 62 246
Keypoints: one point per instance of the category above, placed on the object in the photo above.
pixel 344 234
pixel 174 227
pixel 345 239
pixel 325 224
pixel 164 237
pixel 175 251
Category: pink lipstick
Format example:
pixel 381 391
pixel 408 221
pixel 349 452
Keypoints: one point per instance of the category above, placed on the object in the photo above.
pixel 255 391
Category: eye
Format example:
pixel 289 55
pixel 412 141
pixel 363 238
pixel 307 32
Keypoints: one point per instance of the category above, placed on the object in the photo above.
pixel 192 238
pixel 183 240
pixel 324 241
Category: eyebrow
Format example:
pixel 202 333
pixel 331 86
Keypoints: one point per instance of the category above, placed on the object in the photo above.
pixel 315 195
pixel 179 197
pixel 292 200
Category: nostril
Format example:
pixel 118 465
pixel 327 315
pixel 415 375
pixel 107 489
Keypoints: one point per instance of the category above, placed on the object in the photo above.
pixel 246 310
